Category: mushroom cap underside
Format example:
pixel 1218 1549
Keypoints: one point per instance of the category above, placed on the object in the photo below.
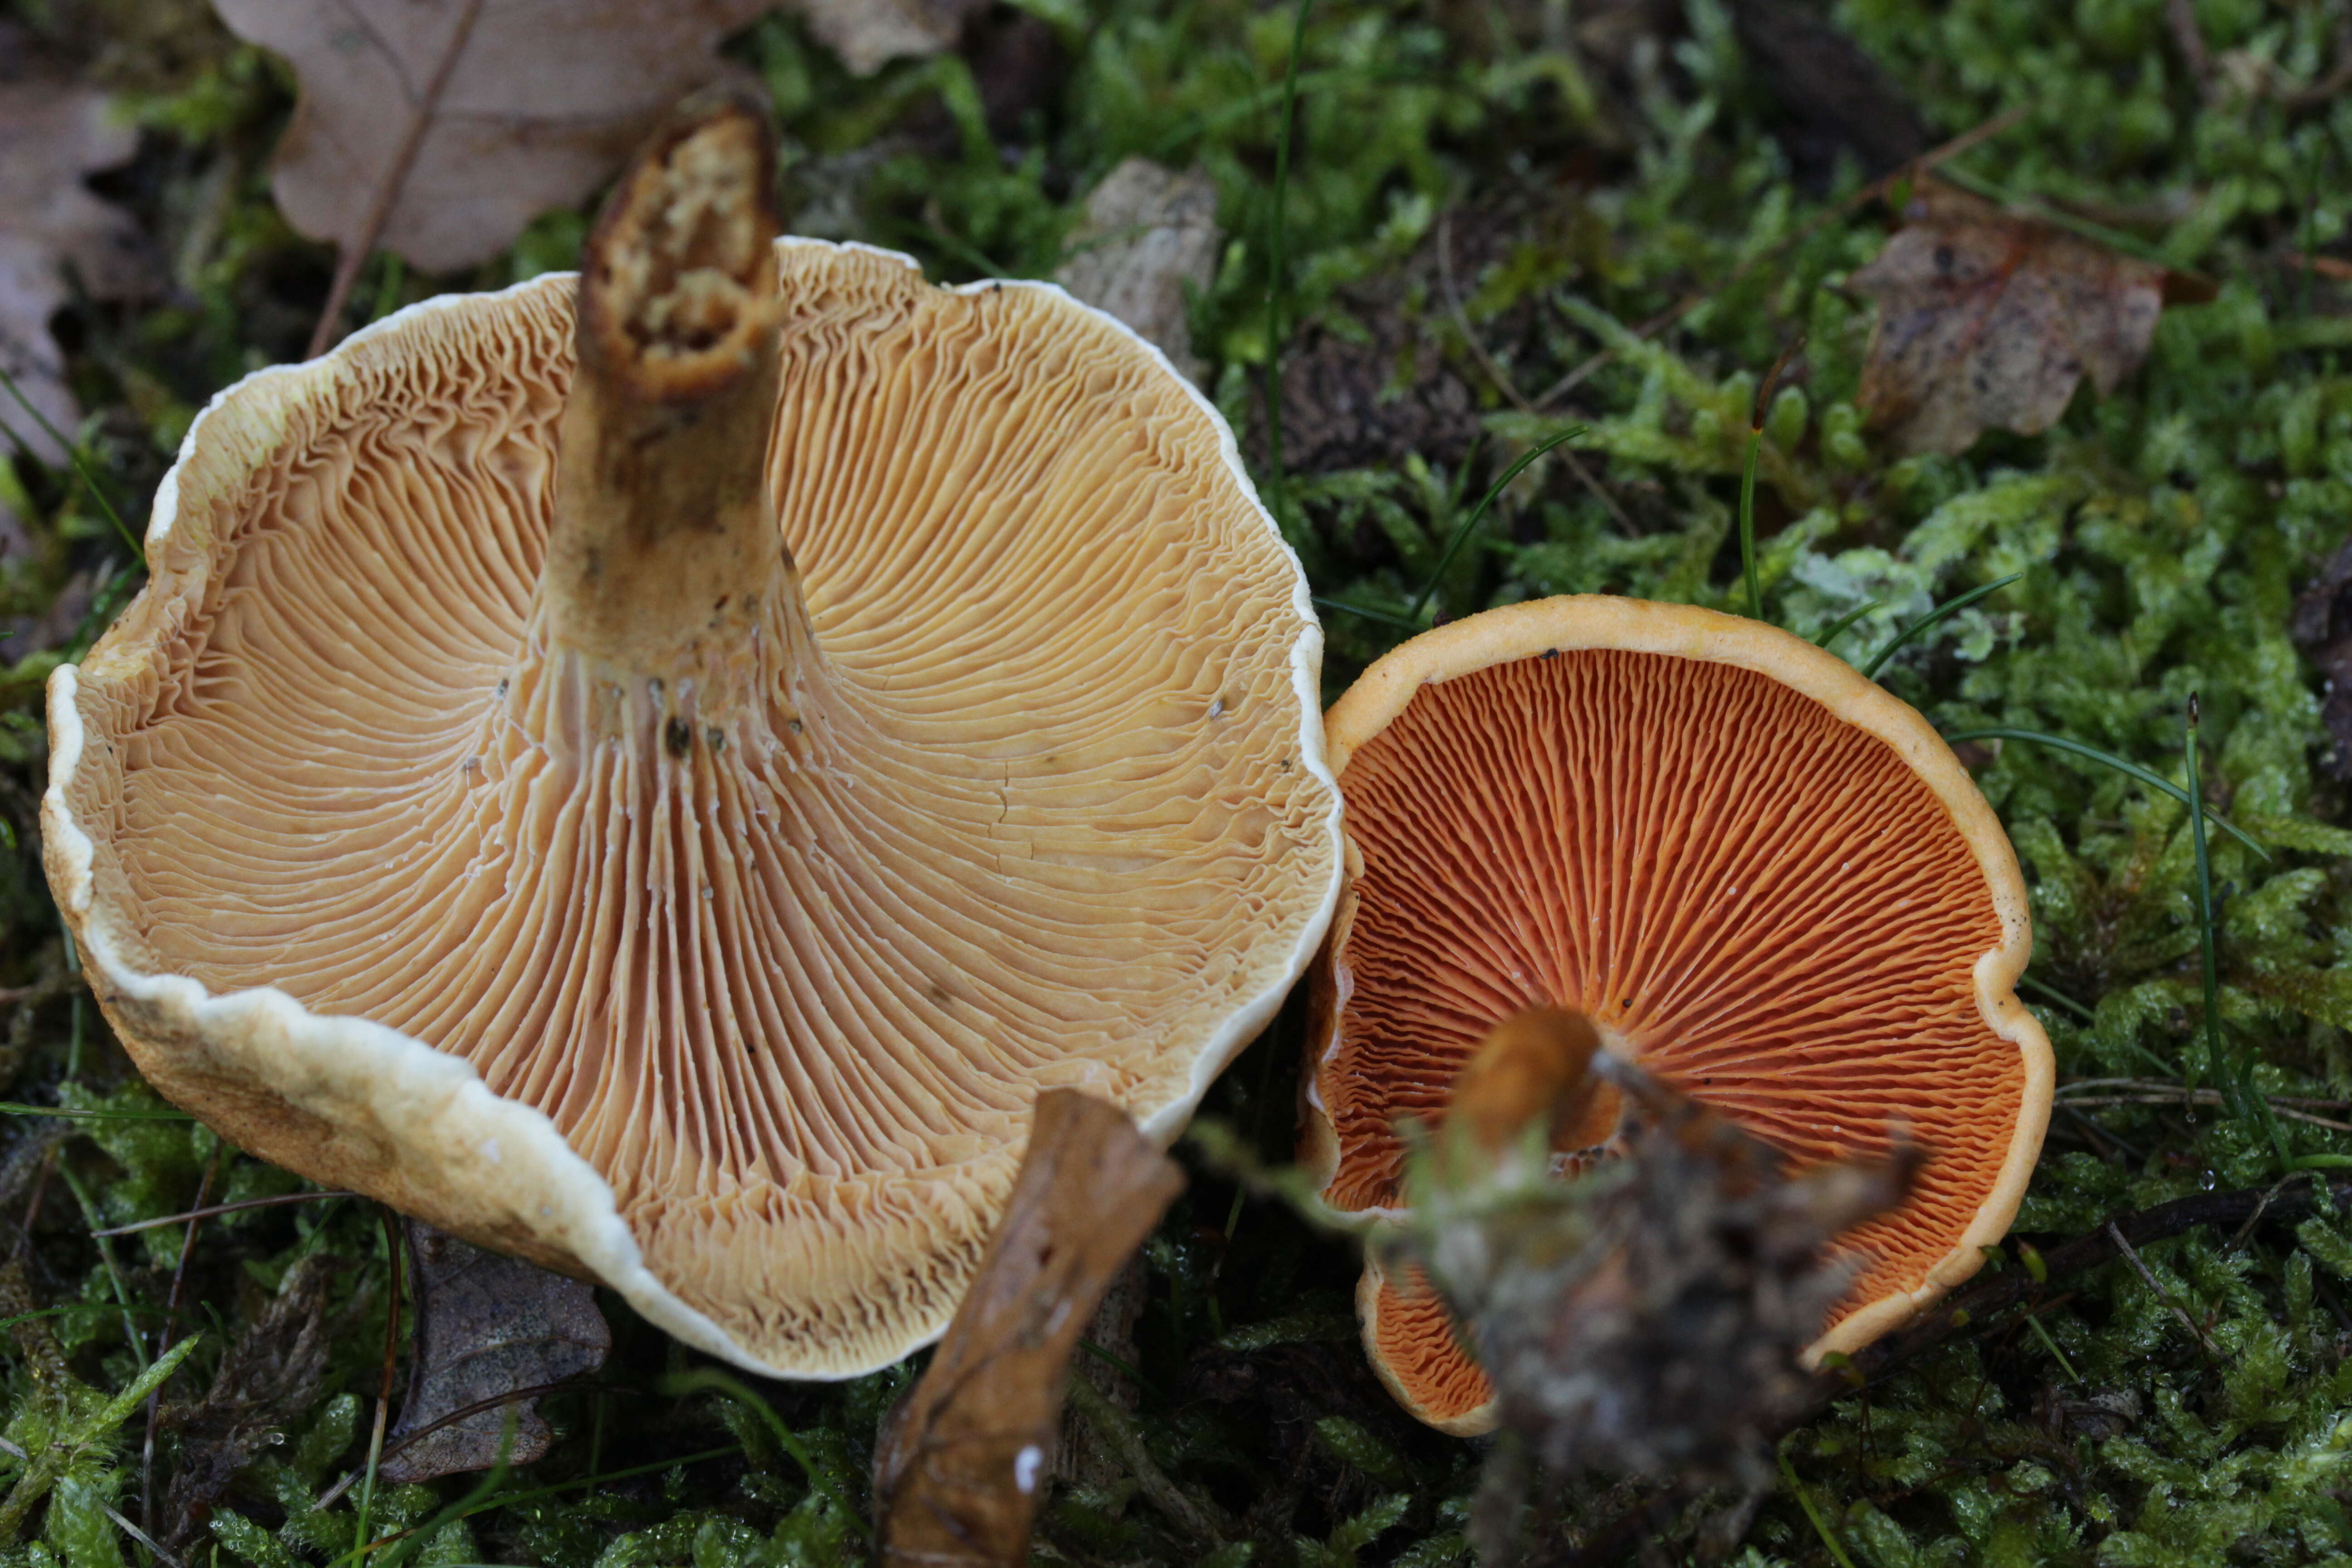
pixel 752 1031
pixel 1765 876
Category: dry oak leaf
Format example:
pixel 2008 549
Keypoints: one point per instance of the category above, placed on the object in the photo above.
pixel 963 1460
pixel 55 134
pixel 544 102
pixel 488 1327
pixel 1987 318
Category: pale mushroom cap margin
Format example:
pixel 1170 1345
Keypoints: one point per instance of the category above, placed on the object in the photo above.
pixel 1576 623
pixel 1173 686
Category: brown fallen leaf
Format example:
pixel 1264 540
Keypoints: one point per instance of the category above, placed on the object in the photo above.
pixel 541 104
pixel 267 1380
pixel 962 1461
pixel 55 135
pixel 487 1328
pixel 1147 232
pixel 1987 318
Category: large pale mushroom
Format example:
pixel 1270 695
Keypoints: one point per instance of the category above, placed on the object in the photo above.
pixel 1766 880
pixel 670 818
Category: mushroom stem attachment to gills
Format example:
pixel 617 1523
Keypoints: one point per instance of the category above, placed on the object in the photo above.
pixel 1535 1064
pixel 665 563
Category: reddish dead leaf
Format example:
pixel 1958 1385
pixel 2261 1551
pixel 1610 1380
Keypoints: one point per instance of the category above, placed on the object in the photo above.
pixel 488 1327
pixel 544 100
pixel 961 1465
pixel 56 135
pixel 1991 320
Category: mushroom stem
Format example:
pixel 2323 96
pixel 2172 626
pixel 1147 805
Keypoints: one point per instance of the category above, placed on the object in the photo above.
pixel 664 562
pixel 1536 1064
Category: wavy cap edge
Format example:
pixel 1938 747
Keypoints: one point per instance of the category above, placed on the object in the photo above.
pixel 410 1091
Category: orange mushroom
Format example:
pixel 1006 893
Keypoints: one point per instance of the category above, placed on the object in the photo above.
pixel 1763 878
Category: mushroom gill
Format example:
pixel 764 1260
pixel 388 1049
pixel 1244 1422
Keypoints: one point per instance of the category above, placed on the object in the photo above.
pixel 1762 899
pixel 977 756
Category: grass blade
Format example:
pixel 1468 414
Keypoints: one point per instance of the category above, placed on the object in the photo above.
pixel 1951 608
pixel 1812 1511
pixel 1463 530
pixel 2130 770
pixel 1846 625
pixel 11 1108
pixel 1383 617
pixel 81 470
pixel 704 1380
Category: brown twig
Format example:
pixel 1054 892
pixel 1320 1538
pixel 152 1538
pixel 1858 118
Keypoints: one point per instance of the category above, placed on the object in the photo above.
pixel 408 1440
pixel 1198 1519
pixel 391 1260
pixel 40 991
pixel 2157 1285
pixel 1876 190
pixel 2158 1085
pixel 191 1215
pixel 2334 267
pixel 2202 1096
pixel 353 256
pixel 33 1205
pixel 2149 1091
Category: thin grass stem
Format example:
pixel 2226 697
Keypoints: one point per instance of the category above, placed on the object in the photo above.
pixel 2034 1323
pixel 12 1108
pixel 1383 617
pixel 1463 530
pixel 73 456
pixel 1928 621
pixel 191 1215
pixel 485 1490
pixel 106 1258
pixel 2131 769
pixel 705 1380
pixel 2052 993
pixel 1813 1512
pixel 1845 623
